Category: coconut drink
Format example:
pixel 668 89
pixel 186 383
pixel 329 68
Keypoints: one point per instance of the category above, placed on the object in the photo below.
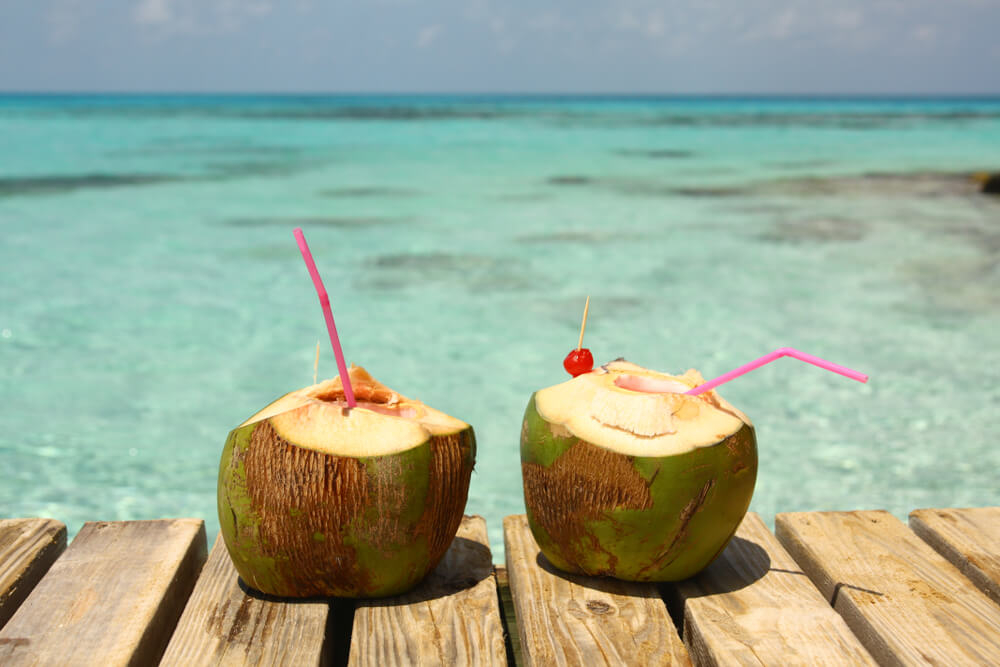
pixel 625 475
pixel 320 499
pixel 344 488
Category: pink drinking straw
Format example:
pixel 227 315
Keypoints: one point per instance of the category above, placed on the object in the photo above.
pixel 768 358
pixel 324 300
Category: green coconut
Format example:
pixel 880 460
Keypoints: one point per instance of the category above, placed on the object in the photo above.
pixel 316 499
pixel 628 477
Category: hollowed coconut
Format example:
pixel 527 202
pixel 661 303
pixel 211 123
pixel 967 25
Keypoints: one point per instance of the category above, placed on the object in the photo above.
pixel 316 499
pixel 626 476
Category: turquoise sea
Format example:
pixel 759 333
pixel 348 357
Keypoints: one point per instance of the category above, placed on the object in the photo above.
pixel 152 296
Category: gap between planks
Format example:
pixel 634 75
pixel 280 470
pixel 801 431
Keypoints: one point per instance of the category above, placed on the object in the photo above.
pixel 224 623
pixel 969 538
pixel 754 605
pixel 28 548
pixel 903 600
pixel 113 597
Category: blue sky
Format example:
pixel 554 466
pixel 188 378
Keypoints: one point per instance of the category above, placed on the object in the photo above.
pixel 561 46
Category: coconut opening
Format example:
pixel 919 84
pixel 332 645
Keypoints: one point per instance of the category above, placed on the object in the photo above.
pixel 635 411
pixel 376 399
pixel 317 417
pixel 650 385
pixel 381 408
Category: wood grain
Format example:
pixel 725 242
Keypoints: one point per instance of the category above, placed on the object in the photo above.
pixel 28 547
pixel 754 605
pixel 224 624
pixel 451 618
pixel 904 601
pixel 113 597
pixel 968 538
pixel 566 619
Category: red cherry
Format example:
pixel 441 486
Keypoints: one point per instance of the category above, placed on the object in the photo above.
pixel 578 362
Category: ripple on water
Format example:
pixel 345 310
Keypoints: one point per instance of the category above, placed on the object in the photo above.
pixel 571 179
pixel 565 311
pixel 874 184
pixel 655 153
pixel 17 186
pixel 471 271
pixel 817 230
pixel 379 113
pixel 919 184
pixel 54 184
pixel 982 236
pixel 375 191
pixel 159 149
pixel 582 236
pixel 237 169
pixel 800 164
pixel 336 222
pixel 644 187
pixel 957 284
pixel 522 197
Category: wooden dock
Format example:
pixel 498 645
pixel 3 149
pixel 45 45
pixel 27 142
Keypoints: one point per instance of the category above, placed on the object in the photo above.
pixel 826 588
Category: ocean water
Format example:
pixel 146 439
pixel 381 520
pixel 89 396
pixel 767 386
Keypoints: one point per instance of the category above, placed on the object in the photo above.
pixel 152 296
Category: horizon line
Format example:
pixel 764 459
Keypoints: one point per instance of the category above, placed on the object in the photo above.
pixel 473 94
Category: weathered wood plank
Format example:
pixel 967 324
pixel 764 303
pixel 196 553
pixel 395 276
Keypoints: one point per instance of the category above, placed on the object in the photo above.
pixel 28 547
pixel 903 600
pixel 753 605
pixel 566 619
pixel 113 597
pixel 968 538
pixel 225 624
pixel 452 617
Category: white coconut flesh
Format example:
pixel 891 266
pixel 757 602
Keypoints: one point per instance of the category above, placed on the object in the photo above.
pixel 382 421
pixel 638 412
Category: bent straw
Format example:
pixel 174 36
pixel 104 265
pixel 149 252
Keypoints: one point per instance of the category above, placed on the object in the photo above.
pixel 768 358
pixel 324 301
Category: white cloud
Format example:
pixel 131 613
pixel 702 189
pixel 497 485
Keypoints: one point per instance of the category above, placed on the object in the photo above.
pixel 782 25
pixel 152 12
pixel 428 35
pixel 847 18
pixel 197 16
pixel 848 24
pixel 655 25
pixel 925 33
pixel 64 20
pixel 546 21
pixel 628 21
pixel 259 8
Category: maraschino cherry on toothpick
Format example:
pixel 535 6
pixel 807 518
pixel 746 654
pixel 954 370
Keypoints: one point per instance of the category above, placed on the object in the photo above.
pixel 580 360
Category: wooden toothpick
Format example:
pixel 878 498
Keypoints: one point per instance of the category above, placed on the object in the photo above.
pixel 583 325
pixel 316 363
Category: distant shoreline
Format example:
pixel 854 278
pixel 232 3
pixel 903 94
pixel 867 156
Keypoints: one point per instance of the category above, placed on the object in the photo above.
pixel 554 97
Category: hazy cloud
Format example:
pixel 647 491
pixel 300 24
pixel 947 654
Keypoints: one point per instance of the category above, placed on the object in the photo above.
pixel 63 20
pixel 925 33
pixel 548 21
pixel 197 16
pixel 847 18
pixel 564 44
pixel 152 12
pixel 779 25
pixel 428 35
